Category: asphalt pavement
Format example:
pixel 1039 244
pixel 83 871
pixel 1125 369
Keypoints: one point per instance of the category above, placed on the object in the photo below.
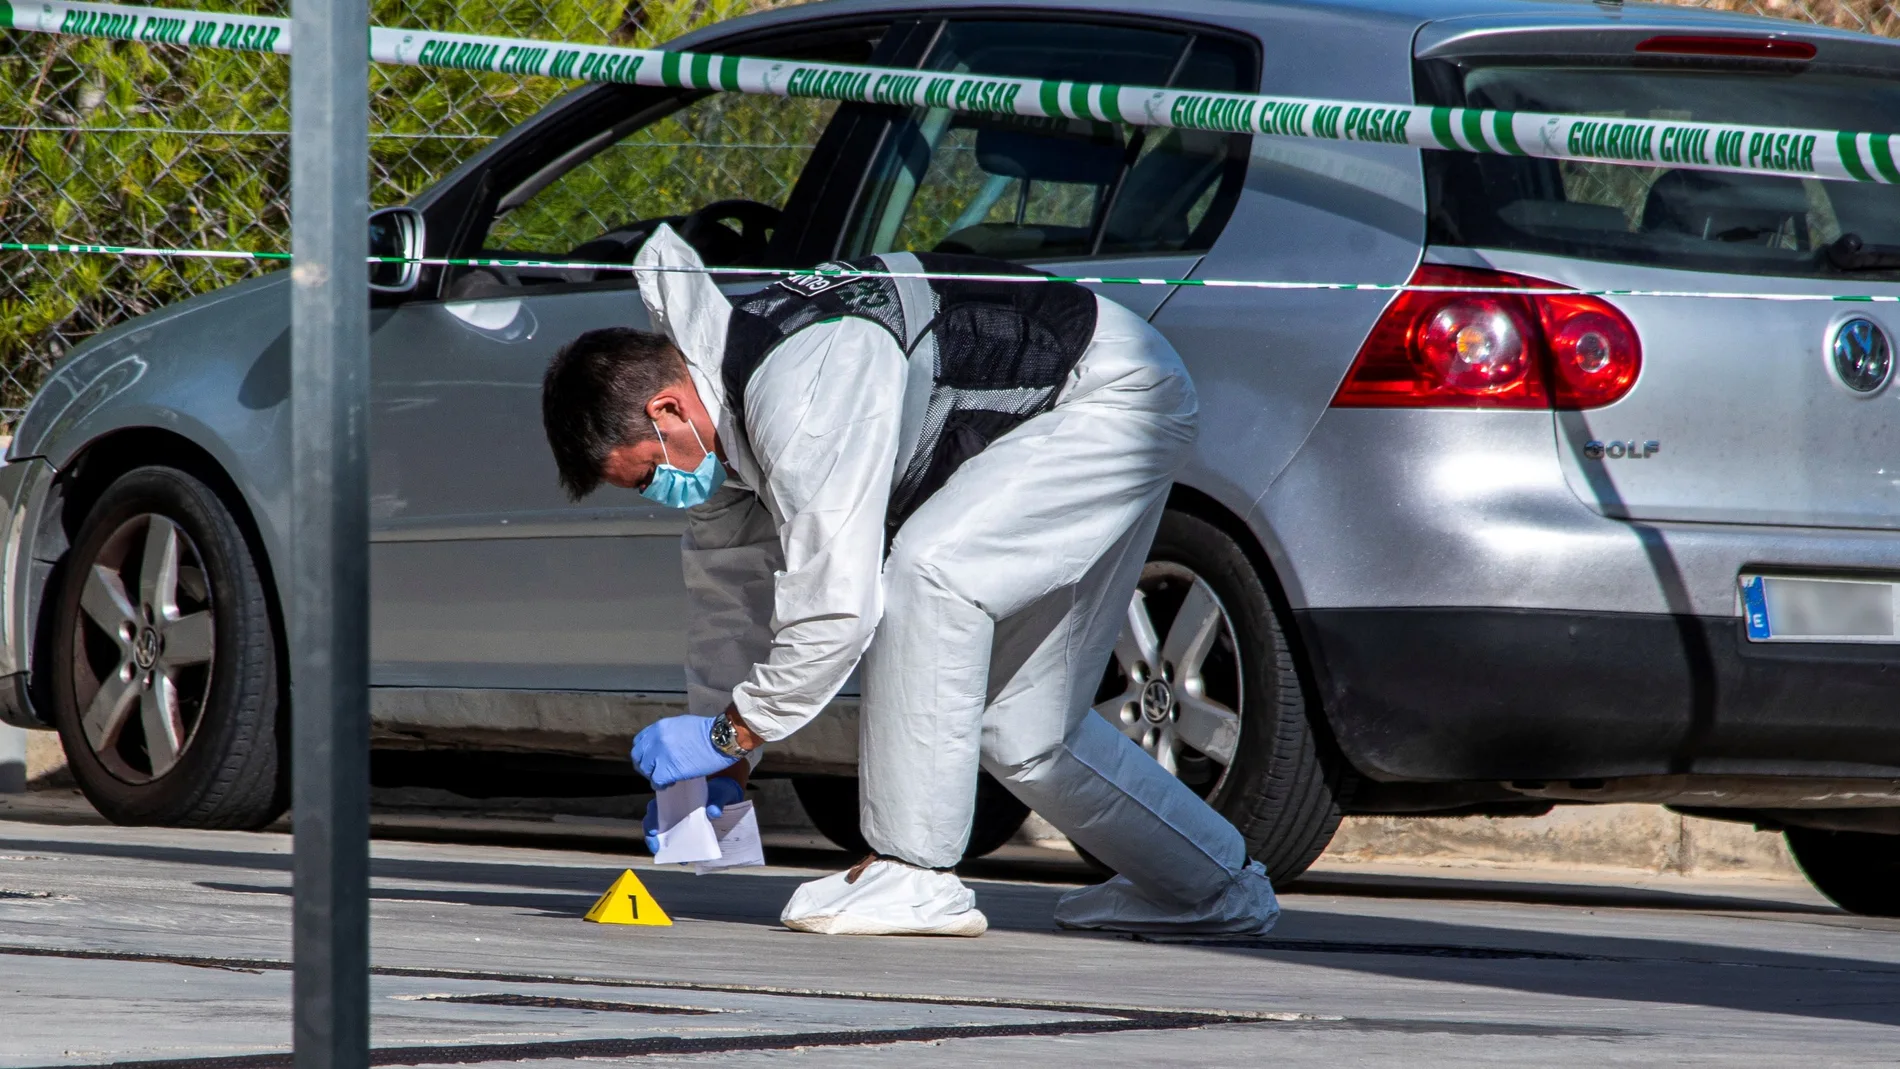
pixel 140 944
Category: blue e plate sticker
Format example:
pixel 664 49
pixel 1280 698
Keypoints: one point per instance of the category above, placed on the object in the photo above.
pixel 1755 608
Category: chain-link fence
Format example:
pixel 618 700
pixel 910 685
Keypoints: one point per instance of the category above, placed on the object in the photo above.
pixel 107 142
pixel 112 143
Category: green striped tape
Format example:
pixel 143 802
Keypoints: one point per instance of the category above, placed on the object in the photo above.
pixel 1502 127
pixel 1474 129
pixel 1745 149
pixel 1107 280
pixel 1441 129
pixel 1882 151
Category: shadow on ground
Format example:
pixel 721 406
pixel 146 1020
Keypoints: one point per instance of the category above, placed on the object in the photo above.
pixel 1007 872
pixel 1553 962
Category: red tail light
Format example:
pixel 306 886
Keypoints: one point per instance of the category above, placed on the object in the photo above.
pixel 1463 348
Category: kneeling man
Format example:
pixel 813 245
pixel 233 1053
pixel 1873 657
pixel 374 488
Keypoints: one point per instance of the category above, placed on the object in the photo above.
pixel 955 483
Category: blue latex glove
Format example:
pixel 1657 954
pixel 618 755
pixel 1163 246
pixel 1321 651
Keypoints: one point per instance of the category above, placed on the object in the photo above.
pixel 721 791
pixel 677 748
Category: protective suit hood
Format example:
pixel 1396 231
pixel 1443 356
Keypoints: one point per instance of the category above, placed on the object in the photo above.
pixel 686 305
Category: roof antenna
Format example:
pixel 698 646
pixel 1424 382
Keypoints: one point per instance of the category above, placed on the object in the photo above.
pixel 1614 6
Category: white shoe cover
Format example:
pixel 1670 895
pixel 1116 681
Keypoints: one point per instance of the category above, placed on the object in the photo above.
pixel 889 898
pixel 1246 906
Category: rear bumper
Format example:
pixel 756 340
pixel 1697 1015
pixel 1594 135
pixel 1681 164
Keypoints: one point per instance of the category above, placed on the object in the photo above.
pixel 1451 694
pixel 1468 618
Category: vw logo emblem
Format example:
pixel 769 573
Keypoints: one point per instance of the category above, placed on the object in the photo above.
pixel 1862 356
pixel 145 649
pixel 1157 701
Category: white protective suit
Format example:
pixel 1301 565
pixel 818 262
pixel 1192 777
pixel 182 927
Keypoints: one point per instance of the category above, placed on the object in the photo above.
pixel 993 616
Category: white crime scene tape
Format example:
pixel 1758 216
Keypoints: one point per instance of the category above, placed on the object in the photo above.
pixel 841 271
pixel 1843 155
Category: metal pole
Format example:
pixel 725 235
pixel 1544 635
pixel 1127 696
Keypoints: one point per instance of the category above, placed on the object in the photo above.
pixel 329 610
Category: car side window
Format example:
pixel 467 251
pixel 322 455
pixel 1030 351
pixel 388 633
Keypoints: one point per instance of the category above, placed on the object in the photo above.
pixel 731 158
pixel 590 183
pixel 1024 188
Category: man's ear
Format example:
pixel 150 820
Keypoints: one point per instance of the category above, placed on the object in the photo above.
pixel 672 400
pixel 667 402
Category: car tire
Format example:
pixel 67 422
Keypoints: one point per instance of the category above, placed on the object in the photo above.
pixel 832 804
pixel 1859 871
pixel 1280 785
pixel 164 660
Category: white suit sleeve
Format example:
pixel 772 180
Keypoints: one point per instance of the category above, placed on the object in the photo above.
pixel 682 299
pixel 822 415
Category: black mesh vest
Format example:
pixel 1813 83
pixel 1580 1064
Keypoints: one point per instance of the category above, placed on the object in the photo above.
pixel 984 356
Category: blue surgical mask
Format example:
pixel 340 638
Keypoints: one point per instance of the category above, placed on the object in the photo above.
pixel 680 489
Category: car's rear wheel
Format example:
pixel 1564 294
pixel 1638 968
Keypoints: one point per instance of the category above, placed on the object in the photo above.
pixel 1859 871
pixel 164 664
pixel 1203 680
pixel 832 804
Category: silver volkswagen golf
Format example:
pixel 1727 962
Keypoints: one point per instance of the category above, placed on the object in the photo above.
pixel 1449 552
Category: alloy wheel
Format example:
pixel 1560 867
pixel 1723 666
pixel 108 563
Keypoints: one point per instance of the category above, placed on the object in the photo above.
pixel 1174 686
pixel 142 648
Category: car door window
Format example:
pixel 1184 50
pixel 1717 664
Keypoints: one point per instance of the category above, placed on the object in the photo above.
pixel 722 168
pixel 1024 188
pixel 743 152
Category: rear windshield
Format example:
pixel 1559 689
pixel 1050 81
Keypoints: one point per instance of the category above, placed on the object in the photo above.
pixel 1701 220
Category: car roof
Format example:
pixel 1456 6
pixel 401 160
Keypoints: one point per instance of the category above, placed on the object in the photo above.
pixel 1429 26
pixel 1241 14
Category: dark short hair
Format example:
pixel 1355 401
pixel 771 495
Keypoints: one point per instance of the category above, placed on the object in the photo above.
pixel 594 397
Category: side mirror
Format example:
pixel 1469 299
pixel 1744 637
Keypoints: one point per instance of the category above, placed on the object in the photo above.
pixel 395 235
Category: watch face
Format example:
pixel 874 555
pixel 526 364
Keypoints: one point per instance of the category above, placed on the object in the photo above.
pixel 725 737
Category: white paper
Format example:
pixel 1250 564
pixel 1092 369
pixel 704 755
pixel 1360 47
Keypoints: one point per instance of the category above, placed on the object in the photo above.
pixel 738 830
pixel 685 833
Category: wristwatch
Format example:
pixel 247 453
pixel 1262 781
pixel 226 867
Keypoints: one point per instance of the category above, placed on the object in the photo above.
pixel 725 737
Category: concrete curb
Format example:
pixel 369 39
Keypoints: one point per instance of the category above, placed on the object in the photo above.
pixel 1648 838
pixel 46 761
pixel 1644 838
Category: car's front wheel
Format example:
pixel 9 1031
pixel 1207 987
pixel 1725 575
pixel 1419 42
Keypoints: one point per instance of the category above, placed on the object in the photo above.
pixel 164 664
pixel 1859 871
pixel 1203 679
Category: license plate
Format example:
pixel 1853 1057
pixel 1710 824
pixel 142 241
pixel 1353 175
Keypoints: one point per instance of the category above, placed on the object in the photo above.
pixel 1786 608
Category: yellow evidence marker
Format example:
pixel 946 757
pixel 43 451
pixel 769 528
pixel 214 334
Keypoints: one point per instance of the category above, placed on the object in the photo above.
pixel 628 902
